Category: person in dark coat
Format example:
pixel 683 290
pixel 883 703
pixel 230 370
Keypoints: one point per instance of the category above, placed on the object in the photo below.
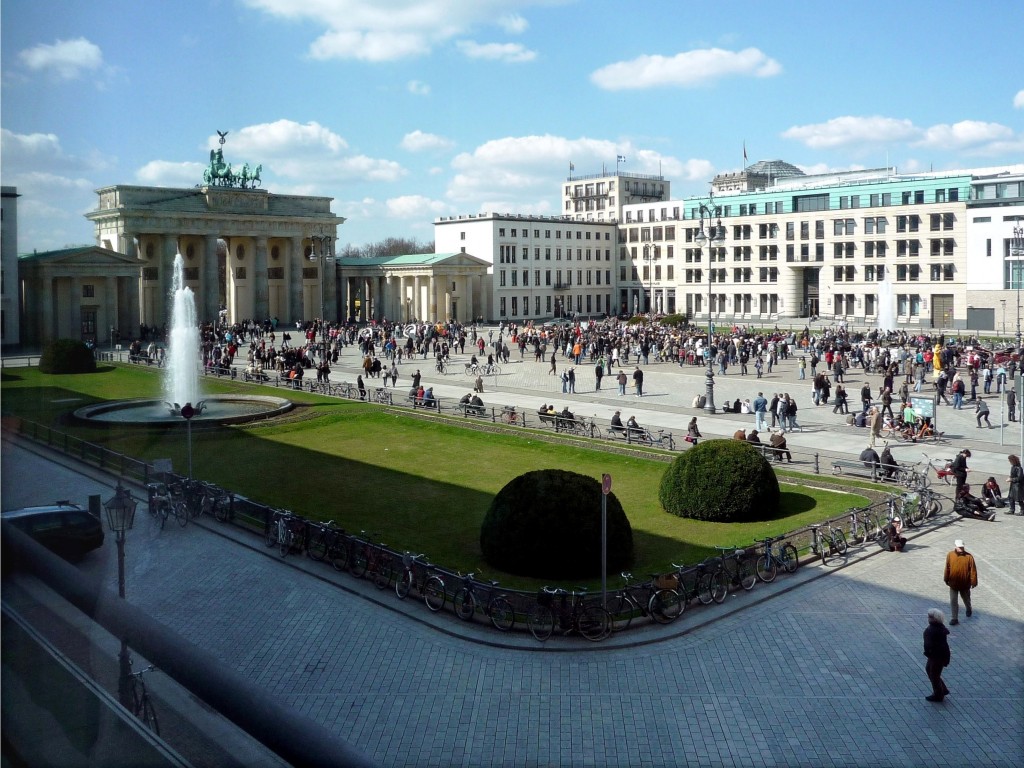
pixel 936 650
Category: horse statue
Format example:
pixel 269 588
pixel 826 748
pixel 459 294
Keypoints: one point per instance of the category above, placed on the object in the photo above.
pixel 255 178
pixel 218 172
pixel 242 178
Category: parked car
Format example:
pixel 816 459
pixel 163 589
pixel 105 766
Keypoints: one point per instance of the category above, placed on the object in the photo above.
pixel 65 528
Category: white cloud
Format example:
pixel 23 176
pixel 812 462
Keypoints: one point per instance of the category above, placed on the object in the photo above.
pixel 850 130
pixel 966 133
pixel 418 88
pixel 65 59
pixel 415 207
pixel 397 29
pixel 512 53
pixel 42 152
pixel 418 141
pixel 162 173
pixel 516 173
pixel 307 153
pixel 687 69
pixel 1018 100
pixel 513 23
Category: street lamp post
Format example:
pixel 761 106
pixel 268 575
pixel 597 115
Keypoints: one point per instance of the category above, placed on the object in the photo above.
pixel 1018 249
pixel 120 518
pixel 714 238
pixel 323 256
pixel 650 254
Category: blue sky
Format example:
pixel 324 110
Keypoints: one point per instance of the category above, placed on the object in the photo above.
pixel 405 110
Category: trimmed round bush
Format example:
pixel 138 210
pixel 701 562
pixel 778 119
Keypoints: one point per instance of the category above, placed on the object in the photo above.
pixel 67 356
pixel 547 524
pixel 722 481
pixel 674 320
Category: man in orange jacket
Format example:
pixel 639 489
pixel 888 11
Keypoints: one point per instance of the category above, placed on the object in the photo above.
pixel 961 577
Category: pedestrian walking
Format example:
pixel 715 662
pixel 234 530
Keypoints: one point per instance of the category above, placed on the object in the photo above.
pixel 961 576
pixel 936 650
pixel 981 410
pixel 572 381
pixel 760 411
pixel 622 380
pixel 599 373
pixel 874 424
pixel 1011 404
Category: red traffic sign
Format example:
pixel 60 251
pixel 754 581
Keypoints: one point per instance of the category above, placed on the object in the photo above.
pixel 187 411
pixel 606 484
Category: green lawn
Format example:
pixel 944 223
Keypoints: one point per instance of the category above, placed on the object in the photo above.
pixel 421 484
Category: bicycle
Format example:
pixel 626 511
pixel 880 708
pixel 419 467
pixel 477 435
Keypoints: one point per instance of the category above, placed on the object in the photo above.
pixel 662 604
pixel 767 565
pixel 178 504
pixel 509 415
pixel 371 560
pixel 827 546
pixel 417 574
pixel 473 595
pixel 382 396
pixel 325 540
pixel 159 502
pixel 574 613
pixel 943 472
pixel 930 502
pixel 863 525
pixel 742 573
pixel 215 501
pixel 702 581
pixel 142 705
pixel 284 531
pixel 907 507
pixel 441 366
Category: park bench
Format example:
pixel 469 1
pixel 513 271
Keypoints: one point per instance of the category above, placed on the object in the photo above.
pixel 468 409
pixel 858 468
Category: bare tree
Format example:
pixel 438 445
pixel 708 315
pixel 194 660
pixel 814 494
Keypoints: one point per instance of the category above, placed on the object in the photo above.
pixel 392 246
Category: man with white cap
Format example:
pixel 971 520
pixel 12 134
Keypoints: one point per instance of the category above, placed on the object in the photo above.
pixel 961 577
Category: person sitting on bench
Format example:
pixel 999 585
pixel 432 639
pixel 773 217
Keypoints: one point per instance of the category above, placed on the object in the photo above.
pixel 617 423
pixel 476 405
pixel 871 460
pixel 889 464
pixel 634 429
pixel 778 442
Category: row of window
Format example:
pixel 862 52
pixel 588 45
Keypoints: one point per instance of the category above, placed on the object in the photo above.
pixel 848 304
pixel 507 254
pixel 592 277
pixel 738 303
pixel 524 232
pixel 904 273
pixel 588 303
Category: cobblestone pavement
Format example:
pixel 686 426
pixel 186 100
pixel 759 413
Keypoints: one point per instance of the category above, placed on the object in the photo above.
pixel 829 673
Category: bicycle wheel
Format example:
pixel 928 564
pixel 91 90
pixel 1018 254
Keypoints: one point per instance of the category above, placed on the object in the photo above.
pixel 594 622
pixel 181 513
pixel 914 512
pixel 541 622
pixel 286 541
pixel 703 586
pixel 790 558
pixel 221 510
pixel 382 573
pixel 162 512
pixel 317 549
pixel 339 554
pixel 465 604
pixel 719 585
pixel 623 610
pixel 745 573
pixel 503 615
pixel 433 593
pixel 359 562
pixel 148 715
pixel 839 541
pixel 271 536
pixel 665 606
pixel 404 584
pixel 766 568
pixel 933 506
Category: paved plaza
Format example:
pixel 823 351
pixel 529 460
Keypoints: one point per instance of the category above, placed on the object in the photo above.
pixel 818 669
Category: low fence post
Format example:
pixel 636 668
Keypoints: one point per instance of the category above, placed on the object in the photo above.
pixel 817 469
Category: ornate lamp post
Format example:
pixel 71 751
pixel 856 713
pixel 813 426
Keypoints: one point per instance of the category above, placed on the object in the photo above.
pixel 120 518
pixel 714 237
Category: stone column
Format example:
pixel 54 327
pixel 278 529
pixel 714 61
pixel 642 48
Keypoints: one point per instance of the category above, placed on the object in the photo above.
pixel 432 298
pixel 75 309
pixel 261 297
pixel 210 281
pixel 416 298
pixel 330 270
pixel 296 253
pixel 112 312
pixel 47 319
pixel 162 304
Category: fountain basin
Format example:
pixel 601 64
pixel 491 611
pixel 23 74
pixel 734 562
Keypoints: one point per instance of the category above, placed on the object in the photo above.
pixel 219 409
